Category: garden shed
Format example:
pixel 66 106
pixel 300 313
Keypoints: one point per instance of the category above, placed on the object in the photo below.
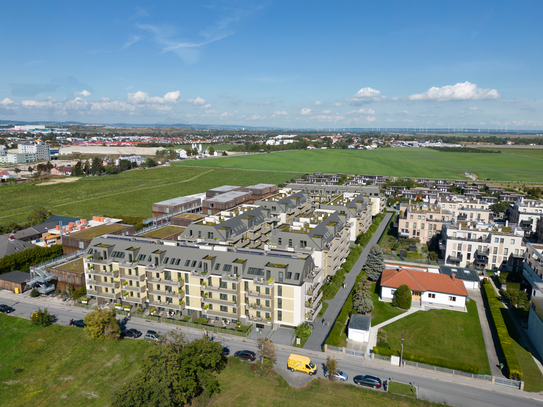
pixel 359 328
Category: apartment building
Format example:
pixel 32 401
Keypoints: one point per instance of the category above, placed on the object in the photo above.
pixel 286 204
pixel 483 245
pixel 225 201
pixel 533 273
pixel 320 233
pixel 40 151
pixel 215 282
pixel 192 203
pixel 422 221
pixel 526 214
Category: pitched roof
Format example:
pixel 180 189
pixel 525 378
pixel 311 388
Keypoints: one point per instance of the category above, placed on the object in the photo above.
pixel 15 277
pixel 423 281
pixel 9 246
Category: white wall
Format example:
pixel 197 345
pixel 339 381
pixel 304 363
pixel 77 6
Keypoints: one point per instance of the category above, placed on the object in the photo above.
pixel 441 299
pixel 358 335
pixel 535 331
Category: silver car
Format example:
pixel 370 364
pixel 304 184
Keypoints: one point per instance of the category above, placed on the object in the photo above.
pixel 339 375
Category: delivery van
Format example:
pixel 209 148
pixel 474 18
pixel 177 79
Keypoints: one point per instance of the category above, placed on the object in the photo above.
pixel 301 364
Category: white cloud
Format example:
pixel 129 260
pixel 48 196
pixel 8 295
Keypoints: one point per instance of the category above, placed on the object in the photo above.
pixel 326 111
pixel 318 103
pixel 370 119
pixel 172 96
pixel 327 118
pixel 142 97
pixel 226 114
pixel 337 104
pixel 474 108
pixel 460 91
pixel 257 117
pixel 83 92
pixel 305 111
pixel 197 102
pixel 362 110
pixel 365 95
pixel 7 102
pixel 280 113
pixel 207 106
pixel 395 98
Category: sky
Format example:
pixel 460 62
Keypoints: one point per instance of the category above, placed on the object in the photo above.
pixel 289 64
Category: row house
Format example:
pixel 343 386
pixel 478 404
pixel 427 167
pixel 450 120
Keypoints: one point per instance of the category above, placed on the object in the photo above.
pixel 214 282
pixel 422 222
pixel 484 245
pixel 494 190
pixel 511 197
pixel 526 214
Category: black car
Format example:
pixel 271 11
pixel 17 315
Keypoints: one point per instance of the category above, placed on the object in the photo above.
pixel 6 308
pixel 245 355
pixel 226 351
pixel 79 323
pixel 131 333
pixel 367 380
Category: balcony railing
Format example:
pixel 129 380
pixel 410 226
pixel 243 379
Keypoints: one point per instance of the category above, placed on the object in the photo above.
pixel 96 272
pixel 314 276
pixel 167 305
pixel 455 259
pixel 217 313
pixel 260 307
pixel 133 288
pixel 100 261
pixel 256 294
pixel 218 301
pixel 133 300
pixel 315 303
pixel 133 277
pixel 173 294
pixel 310 316
pixel 258 320
pixel 261 281
pixel 108 284
pixel 101 294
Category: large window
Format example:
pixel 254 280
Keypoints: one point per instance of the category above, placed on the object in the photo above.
pixel 279 315
pixel 279 303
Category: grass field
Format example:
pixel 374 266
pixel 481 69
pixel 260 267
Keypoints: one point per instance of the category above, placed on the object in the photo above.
pixel 523 152
pixel 130 193
pixel 402 388
pixel 408 162
pixel 382 311
pixel 60 366
pixel 444 334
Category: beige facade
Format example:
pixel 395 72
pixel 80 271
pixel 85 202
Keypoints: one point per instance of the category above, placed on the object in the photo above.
pixel 422 222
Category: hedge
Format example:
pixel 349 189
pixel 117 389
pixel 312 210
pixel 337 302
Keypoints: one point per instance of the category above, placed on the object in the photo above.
pixel 364 238
pixel 334 338
pixel 413 357
pixel 511 362
pixel 29 257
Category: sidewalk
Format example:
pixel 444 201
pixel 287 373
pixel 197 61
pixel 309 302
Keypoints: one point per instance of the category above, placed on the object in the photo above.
pixel 321 332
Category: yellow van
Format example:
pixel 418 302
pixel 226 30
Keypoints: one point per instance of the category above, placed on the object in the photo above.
pixel 301 364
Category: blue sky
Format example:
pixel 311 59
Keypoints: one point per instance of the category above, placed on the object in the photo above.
pixel 316 64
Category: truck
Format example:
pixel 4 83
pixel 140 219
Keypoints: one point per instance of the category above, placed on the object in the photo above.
pixel 300 363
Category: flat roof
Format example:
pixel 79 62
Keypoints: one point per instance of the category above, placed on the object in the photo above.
pixel 224 188
pixel 15 277
pixel 193 216
pixel 260 186
pixel 164 232
pixel 180 200
pixel 227 196
pixel 99 230
pixel 74 266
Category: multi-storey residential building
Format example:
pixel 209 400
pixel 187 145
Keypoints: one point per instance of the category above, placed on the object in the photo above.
pixel 286 204
pixel 526 214
pixel 192 203
pixel 481 244
pixel 422 221
pixel 533 273
pixel 41 151
pixel 225 201
pixel 539 231
pixel 212 281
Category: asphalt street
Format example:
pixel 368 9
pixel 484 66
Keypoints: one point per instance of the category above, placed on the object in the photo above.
pixel 456 391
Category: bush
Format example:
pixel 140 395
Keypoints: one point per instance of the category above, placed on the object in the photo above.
pixel 413 357
pixel 511 362
pixel 43 318
pixel 102 324
pixel 29 257
pixel 80 293
pixel 402 298
pixel 364 238
pixel 34 293
pixel 334 338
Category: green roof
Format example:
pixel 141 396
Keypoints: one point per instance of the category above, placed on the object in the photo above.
pixel 164 232
pixel 75 266
pixel 99 230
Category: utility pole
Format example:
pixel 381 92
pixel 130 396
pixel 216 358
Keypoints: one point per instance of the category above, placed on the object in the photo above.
pixel 401 352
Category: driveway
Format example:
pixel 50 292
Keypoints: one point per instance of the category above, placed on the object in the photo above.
pixel 283 336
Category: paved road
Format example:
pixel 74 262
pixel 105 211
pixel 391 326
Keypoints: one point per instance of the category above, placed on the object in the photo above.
pixel 434 386
pixel 321 332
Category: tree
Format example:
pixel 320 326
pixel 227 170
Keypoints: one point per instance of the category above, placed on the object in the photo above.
pixel 194 151
pixel 210 150
pixel 331 366
pixel 102 324
pixel 78 169
pixel 151 163
pixel 303 330
pixel 402 297
pixel 362 297
pixel 267 352
pixel 17 170
pixel 97 166
pixel 38 215
pixel 43 318
pixel 374 265
pixel 30 169
pixel 173 373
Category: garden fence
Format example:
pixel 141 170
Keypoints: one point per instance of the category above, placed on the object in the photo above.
pixel 354 352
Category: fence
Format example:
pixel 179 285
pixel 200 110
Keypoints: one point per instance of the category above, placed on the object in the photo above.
pixel 501 381
pixel 392 257
pixel 485 377
pixel 334 348
pixel 152 227
pixel 354 352
pixel 380 357
pixel 57 260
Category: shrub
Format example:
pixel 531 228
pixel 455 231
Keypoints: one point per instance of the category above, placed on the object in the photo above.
pixel 80 293
pixel 511 362
pixel 334 338
pixel 402 298
pixel 43 318
pixel 34 293
pixel 102 324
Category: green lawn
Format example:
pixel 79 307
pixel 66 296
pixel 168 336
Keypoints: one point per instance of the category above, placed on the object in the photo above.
pixel 382 311
pixel 130 193
pixel 444 334
pixel 60 366
pixel 523 152
pixel 402 388
pixel 408 162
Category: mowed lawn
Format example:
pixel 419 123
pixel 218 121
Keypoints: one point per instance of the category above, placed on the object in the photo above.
pixel 444 334
pixel 408 162
pixel 130 193
pixel 61 366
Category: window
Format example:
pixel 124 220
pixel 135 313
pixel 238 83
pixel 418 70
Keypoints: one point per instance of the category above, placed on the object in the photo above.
pixel 246 286
pixel 407 225
pixel 267 290
pixel 430 295
pixel 279 303
pixel 279 291
pixel 255 271
pixel 227 267
pixel 210 235
pixel 236 270
pixel 187 289
pixel 415 225
pixel 187 263
pixel 268 303
pixel 494 259
pixel 419 217
pixel 199 265
pixel 303 244
pixel 233 286
pixel 217 266
pixel 422 225
pixel 224 284
pixel 496 240
pixel 188 298
pixel 502 240
pixel 289 275
pixel 469 248
pixel 505 251
pixel 166 260
pixel 453 299
pixel 223 297
pixel 141 257
pixel 279 315
pixel 280 276
pixel 258 314
pixel 289 242
pixel 495 250
pixel 279 241
pixel 410 216
pixel 177 262
pixel 297 276
pixel 512 241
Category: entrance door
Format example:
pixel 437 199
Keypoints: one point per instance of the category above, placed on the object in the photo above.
pixel 416 295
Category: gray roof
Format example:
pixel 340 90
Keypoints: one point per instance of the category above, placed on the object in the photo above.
pixel 15 277
pixel 461 273
pixel 260 186
pixel 180 200
pixel 8 246
pixel 360 322
pixel 227 196
pixel 224 188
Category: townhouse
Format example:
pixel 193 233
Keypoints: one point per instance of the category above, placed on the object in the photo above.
pixel 211 281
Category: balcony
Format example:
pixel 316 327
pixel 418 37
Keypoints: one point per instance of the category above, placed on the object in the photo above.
pixel 134 300
pixel 173 294
pixel 128 264
pixel 258 320
pixel 457 259
pixel 133 277
pixel 262 282
pixel 166 305
pixel 95 272
pixel 100 261
pixel 256 294
pixel 218 289
pixel 314 276
pixel 101 294
pixel 173 283
pixel 218 301
pixel 310 316
pixel 98 283
pixel 133 288
pixel 313 303
pixel 230 277
pixel 155 268
pixel 259 307
pixel 221 314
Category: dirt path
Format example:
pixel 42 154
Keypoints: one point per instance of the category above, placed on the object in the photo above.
pixel 59 181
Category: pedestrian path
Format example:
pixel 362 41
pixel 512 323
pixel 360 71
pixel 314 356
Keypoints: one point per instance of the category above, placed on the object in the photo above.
pixel 320 331
pixel 375 329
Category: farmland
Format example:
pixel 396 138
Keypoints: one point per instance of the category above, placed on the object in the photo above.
pixel 407 162
pixel 130 193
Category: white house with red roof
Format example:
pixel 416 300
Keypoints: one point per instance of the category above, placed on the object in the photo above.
pixel 427 287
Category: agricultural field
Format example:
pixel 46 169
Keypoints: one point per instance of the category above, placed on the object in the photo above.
pixel 522 152
pixel 130 193
pixel 408 162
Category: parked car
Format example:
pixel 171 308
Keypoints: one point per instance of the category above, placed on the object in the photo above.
pixel 247 355
pixel 79 323
pixel 367 380
pixel 151 336
pixel 6 308
pixel 131 333
pixel 339 375
pixel 226 351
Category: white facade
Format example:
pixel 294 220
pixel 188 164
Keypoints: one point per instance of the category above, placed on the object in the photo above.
pixel 528 212
pixel 358 335
pixel 41 151
pixel 448 300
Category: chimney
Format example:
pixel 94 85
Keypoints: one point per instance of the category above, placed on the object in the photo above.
pixel 453 275
pixel 506 223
